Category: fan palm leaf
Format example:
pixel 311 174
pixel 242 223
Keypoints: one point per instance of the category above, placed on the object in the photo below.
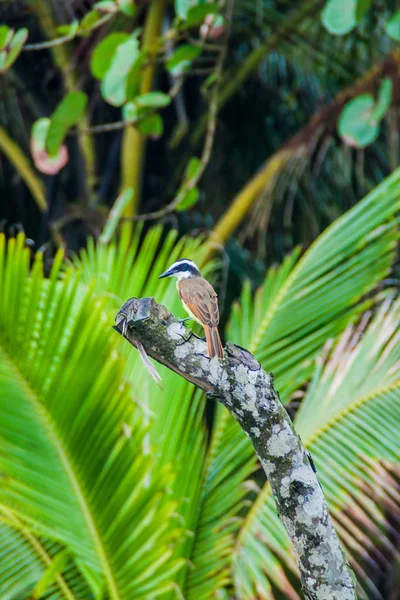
pixel 29 565
pixel 174 415
pixel 230 462
pixel 301 304
pixel 69 470
pixel 349 421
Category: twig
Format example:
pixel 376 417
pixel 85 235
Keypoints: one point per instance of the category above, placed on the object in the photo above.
pixel 62 40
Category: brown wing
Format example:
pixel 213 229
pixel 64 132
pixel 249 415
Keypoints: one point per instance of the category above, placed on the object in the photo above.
pixel 201 299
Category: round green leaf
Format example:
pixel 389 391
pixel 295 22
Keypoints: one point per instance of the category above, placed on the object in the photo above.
pixel 104 53
pixel 89 22
pixel 152 100
pixel 193 167
pixel 393 27
pixel 356 126
pixel 181 8
pixel 67 114
pixel 129 112
pixel 49 165
pixel 197 14
pixel 134 78
pixel 14 48
pixel 151 126
pixel 182 58
pixel 189 200
pixel 362 8
pixel 39 132
pixel 3 56
pixel 127 7
pixel 5 36
pixel 114 85
pixel 106 6
pixel 384 99
pixel 69 30
pixel 340 16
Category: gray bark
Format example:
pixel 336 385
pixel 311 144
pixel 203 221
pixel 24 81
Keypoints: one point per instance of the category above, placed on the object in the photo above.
pixel 239 382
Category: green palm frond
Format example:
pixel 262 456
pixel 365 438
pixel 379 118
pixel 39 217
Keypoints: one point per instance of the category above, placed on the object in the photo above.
pixel 28 565
pixel 130 267
pixel 349 420
pixel 302 304
pixel 230 462
pixel 70 470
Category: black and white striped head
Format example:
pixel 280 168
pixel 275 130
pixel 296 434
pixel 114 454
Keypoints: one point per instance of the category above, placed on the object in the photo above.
pixel 182 269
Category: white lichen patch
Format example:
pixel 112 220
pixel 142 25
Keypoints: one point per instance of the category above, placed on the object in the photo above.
pixel 215 371
pixel 250 404
pixel 242 374
pixel 223 382
pixel 317 558
pixel 325 592
pixel 180 352
pixel 285 487
pixel 255 431
pixel 268 466
pixel 282 441
pixel 176 331
pixel 311 511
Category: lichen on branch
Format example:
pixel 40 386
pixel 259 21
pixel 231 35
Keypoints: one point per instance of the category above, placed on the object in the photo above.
pixel 248 392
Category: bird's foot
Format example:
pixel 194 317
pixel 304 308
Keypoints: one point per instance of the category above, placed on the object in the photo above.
pixel 191 334
pixel 183 321
pixel 214 396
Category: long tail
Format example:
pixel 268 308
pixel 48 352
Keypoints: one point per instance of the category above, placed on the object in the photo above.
pixel 214 346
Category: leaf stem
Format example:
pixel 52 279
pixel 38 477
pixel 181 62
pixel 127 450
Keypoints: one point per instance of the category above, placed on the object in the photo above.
pixel 21 163
pixel 133 143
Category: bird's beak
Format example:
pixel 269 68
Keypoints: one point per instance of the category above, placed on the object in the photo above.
pixel 166 274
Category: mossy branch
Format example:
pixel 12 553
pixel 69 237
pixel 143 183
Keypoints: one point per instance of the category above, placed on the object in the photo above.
pixel 248 393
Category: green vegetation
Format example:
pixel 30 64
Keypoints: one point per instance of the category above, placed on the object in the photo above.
pixel 260 139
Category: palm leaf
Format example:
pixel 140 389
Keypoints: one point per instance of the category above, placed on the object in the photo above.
pixel 69 471
pixel 303 304
pixel 300 305
pixel 349 420
pixel 177 434
pixel 230 461
pixel 27 561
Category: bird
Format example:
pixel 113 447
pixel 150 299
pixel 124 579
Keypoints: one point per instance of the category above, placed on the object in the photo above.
pixel 199 300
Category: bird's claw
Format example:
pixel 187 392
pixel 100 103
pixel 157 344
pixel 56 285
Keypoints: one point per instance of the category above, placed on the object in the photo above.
pixel 213 396
pixel 183 321
pixel 124 327
pixel 185 339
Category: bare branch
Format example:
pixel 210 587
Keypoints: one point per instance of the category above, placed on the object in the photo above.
pixel 241 385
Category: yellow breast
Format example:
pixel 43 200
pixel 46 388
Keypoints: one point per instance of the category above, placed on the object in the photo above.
pixel 189 312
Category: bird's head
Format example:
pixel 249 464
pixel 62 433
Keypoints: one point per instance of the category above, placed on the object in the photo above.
pixel 181 269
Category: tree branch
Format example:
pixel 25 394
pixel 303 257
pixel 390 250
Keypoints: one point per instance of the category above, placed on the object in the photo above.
pixel 239 382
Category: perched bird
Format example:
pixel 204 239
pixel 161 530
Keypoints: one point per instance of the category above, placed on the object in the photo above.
pixel 199 300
